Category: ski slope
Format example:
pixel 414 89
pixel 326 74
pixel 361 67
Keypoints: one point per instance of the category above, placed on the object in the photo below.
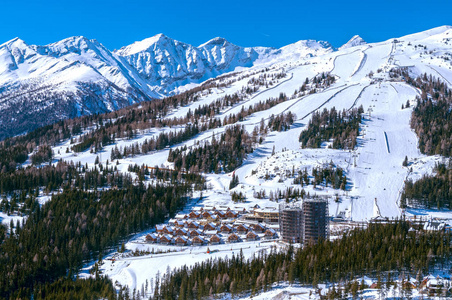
pixel 375 175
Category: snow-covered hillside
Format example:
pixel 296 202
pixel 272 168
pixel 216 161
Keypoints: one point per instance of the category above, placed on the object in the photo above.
pixel 374 169
pixel 79 76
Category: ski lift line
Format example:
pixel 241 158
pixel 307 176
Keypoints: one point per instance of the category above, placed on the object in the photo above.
pixel 328 100
pixel 258 94
pixel 297 101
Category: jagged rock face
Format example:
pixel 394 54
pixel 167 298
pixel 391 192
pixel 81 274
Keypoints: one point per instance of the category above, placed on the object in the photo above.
pixel 78 76
pixel 167 64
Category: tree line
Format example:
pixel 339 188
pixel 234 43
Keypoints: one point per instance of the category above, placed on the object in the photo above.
pixel 342 127
pixel 373 252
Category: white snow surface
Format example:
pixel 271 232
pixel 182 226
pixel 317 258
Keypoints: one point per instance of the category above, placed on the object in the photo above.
pixel 374 168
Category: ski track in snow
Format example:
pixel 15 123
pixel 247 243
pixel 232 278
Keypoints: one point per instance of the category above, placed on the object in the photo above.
pixel 375 175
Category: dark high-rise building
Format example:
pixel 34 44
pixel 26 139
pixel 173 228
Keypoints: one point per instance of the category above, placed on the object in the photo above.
pixel 291 223
pixel 305 223
pixel 315 220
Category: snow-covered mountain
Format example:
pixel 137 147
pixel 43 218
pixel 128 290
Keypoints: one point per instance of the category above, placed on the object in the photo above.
pixel 167 64
pixel 78 76
pixel 353 42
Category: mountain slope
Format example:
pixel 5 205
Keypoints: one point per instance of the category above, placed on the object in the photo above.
pixel 237 129
pixel 44 84
pixel 77 76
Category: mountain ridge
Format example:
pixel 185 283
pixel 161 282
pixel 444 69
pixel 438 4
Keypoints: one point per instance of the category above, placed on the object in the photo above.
pixel 98 80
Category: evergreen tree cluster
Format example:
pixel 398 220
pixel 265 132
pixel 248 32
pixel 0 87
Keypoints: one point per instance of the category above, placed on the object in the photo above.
pixel 432 116
pixel 342 127
pixel 91 288
pixel 430 191
pixel 43 154
pixel 225 154
pixel 10 157
pixel 281 122
pixel 76 226
pixel 331 175
pixel 372 252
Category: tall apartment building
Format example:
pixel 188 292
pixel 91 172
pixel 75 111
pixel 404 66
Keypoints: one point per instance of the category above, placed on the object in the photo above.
pixel 307 222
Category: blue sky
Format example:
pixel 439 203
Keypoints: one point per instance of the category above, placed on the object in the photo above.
pixel 275 23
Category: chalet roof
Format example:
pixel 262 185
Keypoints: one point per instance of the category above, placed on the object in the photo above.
pixel 223 208
pixel 152 236
pixel 251 233
pixel 233 236
pixel 215 236
pixel 258 226
pixel 159 227
pixel 194 223
pixel 198 238
pixel 243 226
pixel 166 237
pixel 181 238
pixel 270 230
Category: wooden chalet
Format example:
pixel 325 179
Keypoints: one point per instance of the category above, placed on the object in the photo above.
pixel 215 240
pixel 181 241
pixel 168 230
pixel 233 238
pixel 221 214
pixel 180 232
pixel 225 228
pixel 193 225
pixel 241 210
pixel 207 214
pixel 159 228
pixel 270 233
pixel 242 229
pixel 258 228
pixel 230 214
pixel 210 226
pixel 152 238
pixel 181 217
pixel 179 223
pixel 166 239
pixel 195 232
pixel 194 215
pixel 251 236
pixel 197 241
